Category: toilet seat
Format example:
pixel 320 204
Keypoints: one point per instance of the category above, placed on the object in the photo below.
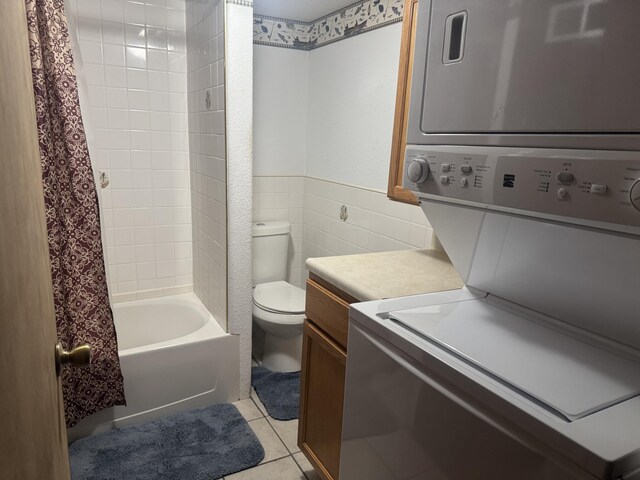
pixel 279 298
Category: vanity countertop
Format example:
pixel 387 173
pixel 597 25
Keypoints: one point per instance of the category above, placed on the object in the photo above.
pixel 372 276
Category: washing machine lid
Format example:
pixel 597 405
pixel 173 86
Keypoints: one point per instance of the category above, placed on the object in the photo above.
pixel 567 373
pixel 279 297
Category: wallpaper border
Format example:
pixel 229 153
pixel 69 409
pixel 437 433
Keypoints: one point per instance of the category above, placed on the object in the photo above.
pixel 352 20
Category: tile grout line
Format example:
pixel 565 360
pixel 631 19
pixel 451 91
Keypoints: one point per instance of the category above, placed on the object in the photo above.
pixel 278 435
pixel 266 417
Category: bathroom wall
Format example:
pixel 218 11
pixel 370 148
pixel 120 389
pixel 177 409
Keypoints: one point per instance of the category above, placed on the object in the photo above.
pixel 132 57
pixel 343 92
pixel 313 207
pixel 352 90
pixel 280 95
pixel 328 112
pixel 207 152
pixel 239 81
pixel 373 223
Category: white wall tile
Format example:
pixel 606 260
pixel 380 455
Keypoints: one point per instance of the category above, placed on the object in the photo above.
pixel 112 32
pixel 91 51
pixel 89 29
pixel 116 98
pixel 206 147
pixel 136 57
pixel 135 35
pixel 88 9
pixel 156 38
pixel 134 12
pixel 112 10
pixel 125 51
pixel 113 55
pixel 312 206
pixel 115 77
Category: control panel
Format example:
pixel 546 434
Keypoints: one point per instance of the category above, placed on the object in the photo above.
pixel 595 186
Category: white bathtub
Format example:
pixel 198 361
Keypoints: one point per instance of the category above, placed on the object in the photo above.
pixel 174 356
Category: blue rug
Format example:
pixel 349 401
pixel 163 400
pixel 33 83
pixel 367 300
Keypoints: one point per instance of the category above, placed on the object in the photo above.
pixel 200 444
pixel 279 392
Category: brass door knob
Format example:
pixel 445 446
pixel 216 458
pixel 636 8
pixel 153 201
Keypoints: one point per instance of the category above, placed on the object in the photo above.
pixel 78 357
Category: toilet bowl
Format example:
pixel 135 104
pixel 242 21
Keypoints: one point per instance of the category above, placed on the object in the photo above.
pixel 278 309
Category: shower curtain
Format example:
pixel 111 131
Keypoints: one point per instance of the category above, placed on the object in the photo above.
pixel 80 291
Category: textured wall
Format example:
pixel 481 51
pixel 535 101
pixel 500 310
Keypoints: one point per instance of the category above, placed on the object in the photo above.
pixel 207 155
pixel 239 20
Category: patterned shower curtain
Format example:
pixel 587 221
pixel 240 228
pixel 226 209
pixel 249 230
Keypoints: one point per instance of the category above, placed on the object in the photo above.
pixel 80 291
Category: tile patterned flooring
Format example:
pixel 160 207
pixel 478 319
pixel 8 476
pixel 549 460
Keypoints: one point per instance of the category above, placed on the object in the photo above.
pixel 283 460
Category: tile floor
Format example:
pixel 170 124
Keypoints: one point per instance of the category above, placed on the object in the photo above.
pixel 283 460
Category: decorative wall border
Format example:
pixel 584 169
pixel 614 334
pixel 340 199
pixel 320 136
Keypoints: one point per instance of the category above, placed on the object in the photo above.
pixel 244 3
pixel 350 21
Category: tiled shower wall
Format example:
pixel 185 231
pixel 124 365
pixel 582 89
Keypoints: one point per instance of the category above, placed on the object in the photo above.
pixel 373 223
pixel 207 152
pixel 132 56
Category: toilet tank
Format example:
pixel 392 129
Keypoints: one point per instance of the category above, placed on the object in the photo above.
pixel 270 250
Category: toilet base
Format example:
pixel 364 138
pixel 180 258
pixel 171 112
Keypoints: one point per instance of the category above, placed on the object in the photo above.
pixel 282 354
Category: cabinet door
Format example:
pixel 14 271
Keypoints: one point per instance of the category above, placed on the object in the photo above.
pixel 321 399
pixel 395 190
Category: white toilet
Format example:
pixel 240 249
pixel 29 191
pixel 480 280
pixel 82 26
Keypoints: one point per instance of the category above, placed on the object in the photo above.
pixel 278 307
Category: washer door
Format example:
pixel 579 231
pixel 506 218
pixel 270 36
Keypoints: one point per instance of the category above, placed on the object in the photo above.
pixel 401 424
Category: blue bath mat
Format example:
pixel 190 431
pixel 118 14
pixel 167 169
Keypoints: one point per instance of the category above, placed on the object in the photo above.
pixel 279 392
pixel 208 443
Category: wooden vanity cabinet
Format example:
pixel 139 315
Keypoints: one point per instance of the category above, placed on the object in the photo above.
pixel 324 348
pixel 324 358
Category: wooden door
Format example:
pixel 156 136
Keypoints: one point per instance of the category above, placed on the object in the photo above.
pixel 321 399
pixel 33 438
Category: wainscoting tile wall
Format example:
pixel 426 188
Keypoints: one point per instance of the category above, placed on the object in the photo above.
pixel 281 198
pixel 370 221
pixel 132 66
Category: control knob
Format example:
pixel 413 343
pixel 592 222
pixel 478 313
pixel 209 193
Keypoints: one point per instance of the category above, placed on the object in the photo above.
pixel 418 170
pixel 565 177
pixel 634 195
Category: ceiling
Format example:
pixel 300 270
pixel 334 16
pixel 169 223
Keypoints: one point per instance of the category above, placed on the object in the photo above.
pixel 305 10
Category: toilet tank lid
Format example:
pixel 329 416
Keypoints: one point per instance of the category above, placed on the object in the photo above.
pixel 263 229
pixel 279 297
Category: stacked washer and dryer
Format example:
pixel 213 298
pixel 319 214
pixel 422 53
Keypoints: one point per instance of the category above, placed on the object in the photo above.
pixel 524 149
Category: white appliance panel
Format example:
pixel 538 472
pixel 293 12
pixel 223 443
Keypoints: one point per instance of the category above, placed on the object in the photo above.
pixel 584 277
pixel 532 66
pixel 544 73
pixel 401 422
pixel 509 232
pixel 570 376
pixel 587 186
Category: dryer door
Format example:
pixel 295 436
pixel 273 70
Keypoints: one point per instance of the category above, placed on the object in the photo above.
pixel 526 67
